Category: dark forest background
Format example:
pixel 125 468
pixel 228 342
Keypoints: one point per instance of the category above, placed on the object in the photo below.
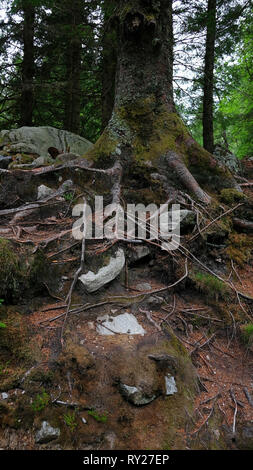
pixel 58 61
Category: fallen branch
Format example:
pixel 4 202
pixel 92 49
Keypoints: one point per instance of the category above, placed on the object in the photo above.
pixel 206 420
pixel 248 396
pixel 235 413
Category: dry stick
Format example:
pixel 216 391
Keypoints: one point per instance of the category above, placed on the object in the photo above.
pixel 80 269
pixel 248 396
pixel 200 346
pixel 218 395
pixel 236 409
pixel 206 420
pixel 236 273
pixel 63 250
pixel 149 317
pixel 52 295
pixel 201 316
pixel 215 220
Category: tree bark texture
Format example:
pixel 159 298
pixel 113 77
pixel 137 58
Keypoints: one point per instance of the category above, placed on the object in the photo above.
pixel 208 135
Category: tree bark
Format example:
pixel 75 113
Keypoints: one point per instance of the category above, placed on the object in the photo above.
pixel 109 62
pixel 208 134
pixel 28 67
pixel 145 129
pixel 74 16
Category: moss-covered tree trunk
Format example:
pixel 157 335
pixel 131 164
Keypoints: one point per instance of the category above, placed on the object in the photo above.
pixel 145 129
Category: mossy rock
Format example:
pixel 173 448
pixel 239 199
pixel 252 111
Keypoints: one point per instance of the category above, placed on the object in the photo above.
pixel 12 273
pixel 239 248
pixel 230 196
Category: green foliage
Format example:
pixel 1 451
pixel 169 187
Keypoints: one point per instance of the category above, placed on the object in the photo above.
pixel 247 334
pixel 4 368
pixel 211 286
pixel 99 418
pixel 230 195
pixel 70 421
pixel 40 402
pixel 2 326
pixel 68 197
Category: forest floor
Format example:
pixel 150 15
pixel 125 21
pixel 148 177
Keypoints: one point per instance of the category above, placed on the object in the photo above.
pixel 221 412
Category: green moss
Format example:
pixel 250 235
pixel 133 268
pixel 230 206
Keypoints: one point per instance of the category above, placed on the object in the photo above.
pixel 40 402
pixel 209 285
pixel 154 130
pixel 99 418
pixel 11 272
pixel 230 195
pixel 247 334
pixel 240 248
pixel 70 421
pixel 103 150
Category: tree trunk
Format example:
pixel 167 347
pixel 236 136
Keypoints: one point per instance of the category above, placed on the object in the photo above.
pixel 145 130
pixel 109 62
pixel 74 10
pixel 208 138
pixel 28 67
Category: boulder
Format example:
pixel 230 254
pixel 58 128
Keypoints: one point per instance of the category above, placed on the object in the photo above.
pixel 46 433
pixel 94 281
pixel 135 395
pixel 125 323
pixel 227 158
pixel 37 140
pixel 44 191
pixel 5 161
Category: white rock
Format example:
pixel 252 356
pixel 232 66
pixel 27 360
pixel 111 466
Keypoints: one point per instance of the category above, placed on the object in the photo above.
pixel 125 323
pixel 46 433
pixel 170 385
pixel 4 396
pixel 94 281
pixel 44 191
pixel 39 139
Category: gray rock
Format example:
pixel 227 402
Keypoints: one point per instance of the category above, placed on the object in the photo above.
pixel 187 218
pixel 22 147
pixel 227 158
pixel 125 323
pixel 138 252
pixel 170 385
pixel 41 161
pixel 4 162
pixel 46 433
pixel 4 396
pixel 44 191
pixel 67 185
pixel 165 360
pixel 67 157
pixel 94 281
pixel 135 395
pixel 39 139
pixel 143 286
pixel 154 301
